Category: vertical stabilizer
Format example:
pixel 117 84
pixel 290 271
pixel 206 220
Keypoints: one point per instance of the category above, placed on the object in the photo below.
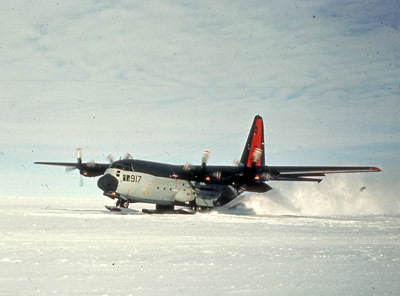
pixel 253 152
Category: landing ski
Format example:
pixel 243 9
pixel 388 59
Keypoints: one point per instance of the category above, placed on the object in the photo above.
pixel 184 211
pixel 123 211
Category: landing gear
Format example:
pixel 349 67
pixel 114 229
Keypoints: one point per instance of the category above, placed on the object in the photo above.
pixel 122 203
pixel 160 209
pixel 195 208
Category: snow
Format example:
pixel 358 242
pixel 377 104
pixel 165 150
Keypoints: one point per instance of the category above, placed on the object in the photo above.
pixel 76 247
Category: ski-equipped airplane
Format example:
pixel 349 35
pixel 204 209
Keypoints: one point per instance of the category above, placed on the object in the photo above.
pixel 197 186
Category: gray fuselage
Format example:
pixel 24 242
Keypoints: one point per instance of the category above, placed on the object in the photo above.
pixel 140 185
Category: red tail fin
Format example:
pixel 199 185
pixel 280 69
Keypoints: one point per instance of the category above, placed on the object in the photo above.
pixel 253 152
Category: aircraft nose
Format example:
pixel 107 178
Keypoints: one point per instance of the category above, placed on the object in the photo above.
pixel 108 183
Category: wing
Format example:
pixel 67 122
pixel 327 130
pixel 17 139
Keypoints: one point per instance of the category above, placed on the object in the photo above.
pixel 89 169
pixel 216 174
pixel 309 173
pixel 65 164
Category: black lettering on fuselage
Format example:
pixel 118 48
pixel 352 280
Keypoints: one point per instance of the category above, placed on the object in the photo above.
pixel 136 178
pixel 132 178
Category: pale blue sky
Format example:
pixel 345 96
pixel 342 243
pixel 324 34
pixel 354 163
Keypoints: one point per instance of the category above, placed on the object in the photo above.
pixel 164 80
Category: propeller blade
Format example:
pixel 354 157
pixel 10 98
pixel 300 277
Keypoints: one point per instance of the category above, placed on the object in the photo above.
pixel 128 156
pixel 256 155
pixel 110 158
pixel 217 175
pixel 69 168
pixel 79 155
pixel 206 155
pixel 80 181
pixel 91 164
pixel 186 166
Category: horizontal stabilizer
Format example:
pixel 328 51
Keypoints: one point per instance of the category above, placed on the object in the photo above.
pixel 300 179
pixel 302 175
pixel 306 173
pixel 304 170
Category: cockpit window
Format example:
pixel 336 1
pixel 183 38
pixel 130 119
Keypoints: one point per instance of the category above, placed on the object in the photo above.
pixel 123 166
pixel 116 165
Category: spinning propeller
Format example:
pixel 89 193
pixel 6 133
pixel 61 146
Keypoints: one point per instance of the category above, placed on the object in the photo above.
pixel 88 169
pixel 201 173
pixel 110 158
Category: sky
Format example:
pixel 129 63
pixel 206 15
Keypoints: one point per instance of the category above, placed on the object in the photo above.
pixel 164 80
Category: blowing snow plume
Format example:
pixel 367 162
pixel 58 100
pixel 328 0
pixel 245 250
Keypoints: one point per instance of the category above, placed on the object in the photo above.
pixel 273 203
pixel 336 195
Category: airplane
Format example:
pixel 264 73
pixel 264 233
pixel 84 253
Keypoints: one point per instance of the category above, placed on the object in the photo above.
pixel 197 187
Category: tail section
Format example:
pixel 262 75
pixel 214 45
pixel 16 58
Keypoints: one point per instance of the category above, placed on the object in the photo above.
pixel 253 152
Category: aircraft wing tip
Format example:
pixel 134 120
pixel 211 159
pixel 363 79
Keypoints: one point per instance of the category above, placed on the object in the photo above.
pixel 375 169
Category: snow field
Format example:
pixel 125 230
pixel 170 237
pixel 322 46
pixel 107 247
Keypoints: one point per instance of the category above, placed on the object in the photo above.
pixel 76 247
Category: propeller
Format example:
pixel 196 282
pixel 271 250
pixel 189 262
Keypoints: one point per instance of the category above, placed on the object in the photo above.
pixel 200 174
pixel 110 158
pixel 87 169
pixel 206 155
pixel 78 165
